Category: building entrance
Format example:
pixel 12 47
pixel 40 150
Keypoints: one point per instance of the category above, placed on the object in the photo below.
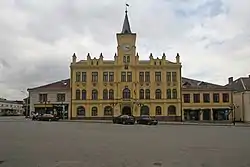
pixel 126 110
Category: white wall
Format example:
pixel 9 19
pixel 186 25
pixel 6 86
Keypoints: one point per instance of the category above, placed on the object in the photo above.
pixel 246 103
pixel 242 102
pixel 10 105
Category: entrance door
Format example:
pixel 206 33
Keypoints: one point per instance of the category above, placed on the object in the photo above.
pixel 206 114
pixel 144 110
pixel 126 110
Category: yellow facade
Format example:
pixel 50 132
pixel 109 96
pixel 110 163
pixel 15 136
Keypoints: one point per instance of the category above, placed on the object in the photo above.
pixel 207 104
pixel 126 85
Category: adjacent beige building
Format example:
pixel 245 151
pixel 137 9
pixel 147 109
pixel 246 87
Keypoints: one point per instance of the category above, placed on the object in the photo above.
pixel 203 101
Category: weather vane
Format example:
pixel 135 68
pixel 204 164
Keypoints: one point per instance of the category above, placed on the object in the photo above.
pixel 127 5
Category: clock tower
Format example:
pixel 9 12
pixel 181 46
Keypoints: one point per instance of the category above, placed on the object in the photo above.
pixel 126 40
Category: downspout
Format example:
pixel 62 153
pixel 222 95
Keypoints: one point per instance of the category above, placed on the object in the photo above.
pixel 181 93
pixel 71 97
pixel 243 106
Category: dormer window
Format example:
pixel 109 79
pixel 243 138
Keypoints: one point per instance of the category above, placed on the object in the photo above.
pixel 186 84
pixel 202 83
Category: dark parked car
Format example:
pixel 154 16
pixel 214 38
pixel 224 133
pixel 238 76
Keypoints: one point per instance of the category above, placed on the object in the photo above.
pixel 147 120
pixel 46 117
pixel 124 119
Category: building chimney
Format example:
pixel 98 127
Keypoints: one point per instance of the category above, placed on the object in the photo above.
pixel 230 80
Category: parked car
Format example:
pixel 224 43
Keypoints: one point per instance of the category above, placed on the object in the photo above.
pixel 46 117
pixel 147 120
pixel 124 119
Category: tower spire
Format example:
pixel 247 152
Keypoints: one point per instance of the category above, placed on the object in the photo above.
pixel 126 26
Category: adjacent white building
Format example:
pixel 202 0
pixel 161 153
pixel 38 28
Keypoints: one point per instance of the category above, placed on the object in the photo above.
pixel 241 98
pixel 53 97
pixel 11 107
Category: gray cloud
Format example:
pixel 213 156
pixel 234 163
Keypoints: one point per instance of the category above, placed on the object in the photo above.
pixel 38 39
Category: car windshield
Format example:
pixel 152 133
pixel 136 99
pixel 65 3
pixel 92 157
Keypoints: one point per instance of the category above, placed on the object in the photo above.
pixel 124 116
pixel 145 116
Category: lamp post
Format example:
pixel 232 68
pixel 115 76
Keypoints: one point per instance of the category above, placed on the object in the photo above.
pixel 26 103
pixel 113 105
pixel 63 110
pixel 232 108
pixel 139 104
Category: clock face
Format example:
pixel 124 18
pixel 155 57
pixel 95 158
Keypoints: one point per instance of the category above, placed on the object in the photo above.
pixel 126 47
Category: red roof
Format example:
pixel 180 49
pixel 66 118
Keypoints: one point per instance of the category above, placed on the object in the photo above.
pixel 59 85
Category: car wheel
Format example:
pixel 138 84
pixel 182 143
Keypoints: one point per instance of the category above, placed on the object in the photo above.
pixel 123 122
pixel 49 120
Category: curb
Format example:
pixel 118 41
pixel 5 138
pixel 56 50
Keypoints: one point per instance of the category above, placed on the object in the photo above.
pixel 165 123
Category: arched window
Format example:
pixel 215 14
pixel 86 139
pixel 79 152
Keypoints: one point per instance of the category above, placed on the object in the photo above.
pixel 147 94
pixel 174 94
pixel 158 110
pixel 105 94
pixel 84 94
pixel 171 110
pixel 141 96
pixel 80 111
pixel 126 93
pixel 158 94
pixel 94 111
pixel 128 59
pixel 111 94
pixel 94 94
pixel 168 93
pixel 78 94
pixel 124 59
pixel 108 111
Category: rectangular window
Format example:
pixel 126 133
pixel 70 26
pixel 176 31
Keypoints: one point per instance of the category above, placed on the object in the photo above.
pixel 84 76
pixel 158 76
pixel 43 97
pixel 111 76
pixel 206 97
pixel 60 97
pixel 216 97
pixel 94 76
pixel 196 98
pixel 174 76
pixel 147 76
pixel 123 76
pixel 129 76
pixel 186 98
pixel 225 97
pixel 168 77
pixel 105 77
pixel 141 77
pixel 78 76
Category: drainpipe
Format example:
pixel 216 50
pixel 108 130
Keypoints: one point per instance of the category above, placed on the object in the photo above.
pixel 181 93
pixel 71 96
pixel 243 106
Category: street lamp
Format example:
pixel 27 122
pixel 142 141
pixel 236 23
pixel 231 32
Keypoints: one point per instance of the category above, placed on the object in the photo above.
pixel 27 103
pixel 63 109
pixel 113 105
pixel 232 108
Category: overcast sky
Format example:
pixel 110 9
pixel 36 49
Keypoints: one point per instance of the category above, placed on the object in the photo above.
pixel 38 37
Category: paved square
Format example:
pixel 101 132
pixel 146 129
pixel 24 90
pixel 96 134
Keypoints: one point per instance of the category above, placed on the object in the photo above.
pixel 26 143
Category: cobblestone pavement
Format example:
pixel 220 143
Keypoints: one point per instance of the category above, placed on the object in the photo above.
pixel 73 144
